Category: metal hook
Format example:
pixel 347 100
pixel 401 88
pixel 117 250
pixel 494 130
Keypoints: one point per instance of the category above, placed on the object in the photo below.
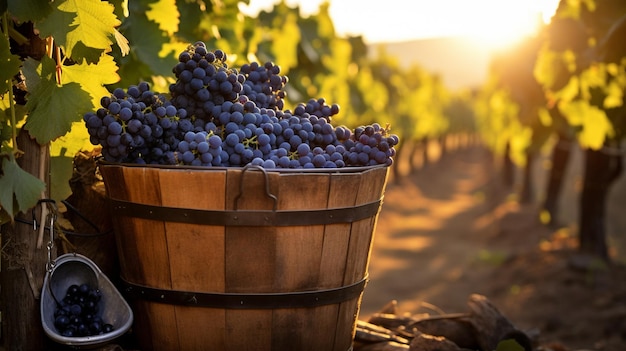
pixel 50 264
pixel 44 214
pixel 267 185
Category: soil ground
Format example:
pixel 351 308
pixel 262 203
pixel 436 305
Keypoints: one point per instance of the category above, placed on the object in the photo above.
pixel 452 229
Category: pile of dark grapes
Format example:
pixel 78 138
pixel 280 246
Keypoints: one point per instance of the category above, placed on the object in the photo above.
pixel 78 314
pixel 218 116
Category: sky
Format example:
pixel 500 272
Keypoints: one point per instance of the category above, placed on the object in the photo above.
pixel 493 22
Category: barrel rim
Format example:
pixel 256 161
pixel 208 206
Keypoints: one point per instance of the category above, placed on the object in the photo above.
pixel 347 169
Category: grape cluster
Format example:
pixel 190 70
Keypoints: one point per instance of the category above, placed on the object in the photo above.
pixel 264 85
pixel 135 126
pixel 78 314
pixel 200 149
pixel 318 107
pixel 217 116
pixel 204 80
pixel 371 145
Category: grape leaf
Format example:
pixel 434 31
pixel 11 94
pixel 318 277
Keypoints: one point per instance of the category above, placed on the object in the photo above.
pixel 88 54
pixel 83 28
pixel 67 103
pixel 147 42
pixel 10 65
pixel 133 70
pixel 553 70
pixel 5 131
pixel 52 108
pixel 38 71
pixel 93 76
pixel 121 8
pixel 122 42
pixel 62 152
pixel 61 168
pixel 190 15
pixel 285 43
pixel 29 10
pixel 614 96
pixel 595 124
pixel 18 187
pixel 165 14
pixel 70 144
pixel 5 112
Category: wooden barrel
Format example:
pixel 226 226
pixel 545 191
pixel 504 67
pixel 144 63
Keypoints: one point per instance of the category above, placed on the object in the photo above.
pixel 243 258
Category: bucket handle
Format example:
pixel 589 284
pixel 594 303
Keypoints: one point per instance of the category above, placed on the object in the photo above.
pixel 267 185
pixel 50 263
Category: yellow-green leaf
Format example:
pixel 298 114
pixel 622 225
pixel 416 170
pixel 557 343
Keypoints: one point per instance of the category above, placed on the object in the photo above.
pixel 77 139
pixel 594 123
pixel 92 77
pixel 81 27
pixel 615 96
pixel 122 42
pixel 165 14
pixel 570 91
pixel 285 42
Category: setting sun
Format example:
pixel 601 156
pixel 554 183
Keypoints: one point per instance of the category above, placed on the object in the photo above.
pixel 493 23
pixel 498 24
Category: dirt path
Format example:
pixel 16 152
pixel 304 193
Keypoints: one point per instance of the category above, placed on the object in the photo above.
pixel 449 231
pixel 430 234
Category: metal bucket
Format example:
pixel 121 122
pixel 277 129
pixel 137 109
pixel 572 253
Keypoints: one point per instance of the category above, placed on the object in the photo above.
pixel 77 269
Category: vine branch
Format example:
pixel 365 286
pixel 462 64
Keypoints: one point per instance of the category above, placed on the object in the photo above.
pixel 16 151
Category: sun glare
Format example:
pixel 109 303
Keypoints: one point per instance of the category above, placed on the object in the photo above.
pixel 493 23
pixel 504 23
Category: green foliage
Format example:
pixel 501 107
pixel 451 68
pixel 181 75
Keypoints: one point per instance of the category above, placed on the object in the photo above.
pixel 592 122
pixel 101 45
pixel 585 79
pixel 570 80
pixel 20 190
pixel 29 10
pixel 498 122
pixel 83 28
pixel 93 77
pixel 47 99
pixel 10 66
pixel 165 14
pixel 149 44
pixel 61 86
pixel 280 42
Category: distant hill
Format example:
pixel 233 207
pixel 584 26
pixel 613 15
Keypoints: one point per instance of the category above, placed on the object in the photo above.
pixel 460 62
